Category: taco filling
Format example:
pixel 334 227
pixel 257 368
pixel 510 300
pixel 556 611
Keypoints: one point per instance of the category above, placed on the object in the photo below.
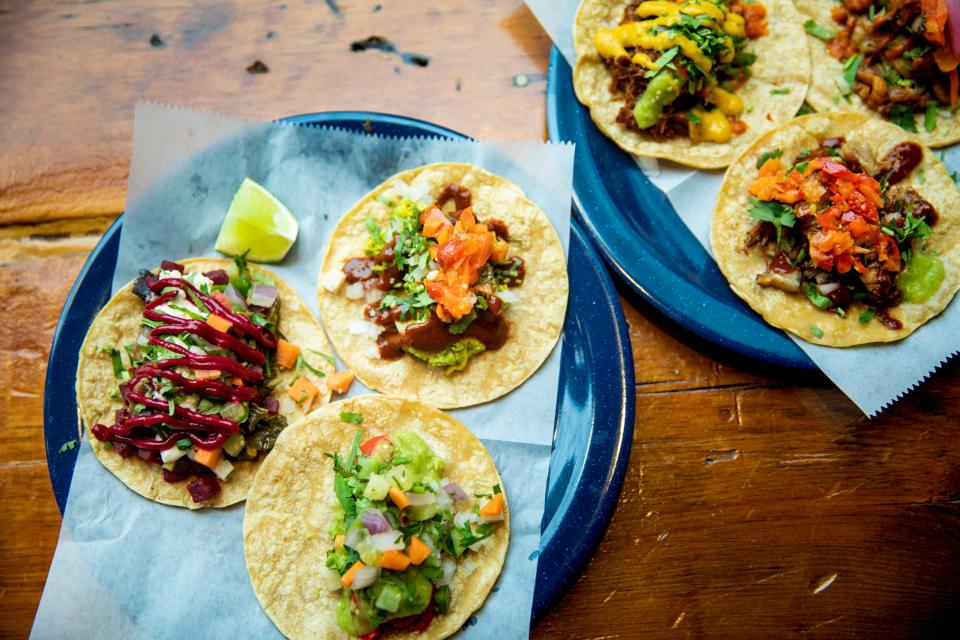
pixel 401 533
pixel 678 65
pixel 898 56
pixel 196 392
pixel 837 228
pixel 437 281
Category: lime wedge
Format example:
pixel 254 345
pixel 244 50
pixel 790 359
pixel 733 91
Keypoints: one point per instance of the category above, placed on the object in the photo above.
pixel 258 222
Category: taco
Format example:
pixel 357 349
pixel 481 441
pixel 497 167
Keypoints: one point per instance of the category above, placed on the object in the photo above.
pixel 444 284
pixel 188 375
pixel 694 81
pixel 894 59
pixel 841 229
pixel 375 517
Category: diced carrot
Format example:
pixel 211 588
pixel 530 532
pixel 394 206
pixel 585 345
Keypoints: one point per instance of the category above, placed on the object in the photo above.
pixel 494 507
pixel 770 167
pixel 395 560
pixel 206 374
pixel 287 354
pixel 207 457
pixel 340 381
pixel 417 550
pixel 347 579
pixel 399 498
pixel 218 323
pixel 304 392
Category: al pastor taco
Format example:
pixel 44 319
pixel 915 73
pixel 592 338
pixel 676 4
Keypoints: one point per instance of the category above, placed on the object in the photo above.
pixel 375 517
pixel 695 81
pixel 189 374
pixel 894 59
pixel 841 229
pixel 444 284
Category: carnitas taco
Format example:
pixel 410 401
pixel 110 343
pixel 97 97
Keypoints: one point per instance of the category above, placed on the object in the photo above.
pixel 894 59
pixel 189 374
pixel 841 229
pixel 375 517
pixel 444 284
pixel 693 81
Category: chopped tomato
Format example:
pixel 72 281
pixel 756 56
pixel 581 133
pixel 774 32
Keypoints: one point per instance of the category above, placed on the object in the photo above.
pixel 771 167
pixel 367 447
pixel 436 224
pixel 935 26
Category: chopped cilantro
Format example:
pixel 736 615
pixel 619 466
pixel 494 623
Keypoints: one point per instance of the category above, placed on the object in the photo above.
pixel 693 118
pixel 662 61
pixel 184 444
pixel 867 316
pixel 118 369
pixel 816 331
pixel 780 215
pixel 817 31
pixel 930 118
pixel 461 325
pixel 902 116
pixel 171 407
pixel 351 418
pixel 850 68
pixel 766 155
pixel 325 356
pixel 69 445
pixel 781 91
pixel 815 297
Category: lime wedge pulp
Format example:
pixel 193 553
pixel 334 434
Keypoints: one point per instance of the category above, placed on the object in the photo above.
pixel 258 222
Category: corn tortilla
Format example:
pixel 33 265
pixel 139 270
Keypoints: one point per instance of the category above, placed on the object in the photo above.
pixel 118 324
pixel 535 320
pixel 292 504
pixel 794 312
pixel 783 63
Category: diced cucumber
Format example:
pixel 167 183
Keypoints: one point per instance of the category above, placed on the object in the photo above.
pixel 236 411
pixel 234 444
pixel 368 466
pixel 401 477
pixel 423 512
pixel 377 487
pixel 223 469
pixel 172 454
pixel 389 598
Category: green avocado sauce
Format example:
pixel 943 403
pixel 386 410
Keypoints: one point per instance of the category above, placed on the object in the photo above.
pixel 922 278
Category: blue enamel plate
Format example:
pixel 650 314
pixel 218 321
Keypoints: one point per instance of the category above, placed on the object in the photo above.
pixel 595 407
pixel 640 235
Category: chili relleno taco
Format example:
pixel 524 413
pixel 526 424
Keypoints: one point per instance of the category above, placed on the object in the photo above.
pixel 893 59
pixel 444 284
pixel 375 517
pixel 693 81
pixel 188 375
pixel 841 229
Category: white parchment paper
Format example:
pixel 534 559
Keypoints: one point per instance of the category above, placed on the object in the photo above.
pixel 126 567
pixel 897 368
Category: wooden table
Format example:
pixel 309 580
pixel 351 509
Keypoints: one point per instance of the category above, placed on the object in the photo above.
pixel 755 504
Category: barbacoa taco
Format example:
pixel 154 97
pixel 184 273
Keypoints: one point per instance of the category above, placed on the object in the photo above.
pixel 693 81
pixel 889 58
pixel 190 373
pixel 444 284
pixel 375 517
pixel 841 229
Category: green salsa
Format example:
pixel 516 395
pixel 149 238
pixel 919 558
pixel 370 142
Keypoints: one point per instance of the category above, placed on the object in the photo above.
pixel 922 278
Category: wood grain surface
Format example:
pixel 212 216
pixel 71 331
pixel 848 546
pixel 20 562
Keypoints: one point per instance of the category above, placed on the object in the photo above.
pixel 757 504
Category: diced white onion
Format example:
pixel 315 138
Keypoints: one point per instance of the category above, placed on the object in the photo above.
pixel 354 290
pixel 172 454
pixel 372 295
pixel 465 516
pixel 330 579
pixel 365 577
pixel 421 499
pixel 364 328
pixel 332 280
pixel 200 281
pixel 449 567
pixel 510 296
pixel 355 536
pixel 829 287
pixel 468 567
pixel 495 518
pixel 287 404
pixel 143 339
pixel 419 192
pixel 223 469
pixel 169 274
pixel 479 545
pixel 387 541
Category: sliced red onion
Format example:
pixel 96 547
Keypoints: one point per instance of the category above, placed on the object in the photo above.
pixel 262 295
pixel 391 540
pixel 365 577
pixel 953 25
pixel 217 276
pixel 354 537
pixel 455 491
pixel 420 499
pixel 354 290
pixel 235 297
pixel 828 287
pixel 374 521
pixel 170 265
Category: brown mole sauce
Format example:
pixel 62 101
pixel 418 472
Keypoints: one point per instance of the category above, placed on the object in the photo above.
pixel 899 162
pixel 432 334
pixel 781 264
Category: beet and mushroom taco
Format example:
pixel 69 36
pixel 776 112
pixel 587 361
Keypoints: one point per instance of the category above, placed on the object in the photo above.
pixel 894 59
pixel 841 229
pixel 693 81
pixel 189 374
pixel 375 517
pixel 444 284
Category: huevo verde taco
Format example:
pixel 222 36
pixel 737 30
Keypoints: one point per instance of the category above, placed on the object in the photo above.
pixel 188 375
pixel 894 59
pixel 375 517
pixel 693 81
pixel 841 229
pixel 444 284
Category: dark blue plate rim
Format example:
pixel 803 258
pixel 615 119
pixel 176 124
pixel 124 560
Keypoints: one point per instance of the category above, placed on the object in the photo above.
pixel 716 317
pixel 568 540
